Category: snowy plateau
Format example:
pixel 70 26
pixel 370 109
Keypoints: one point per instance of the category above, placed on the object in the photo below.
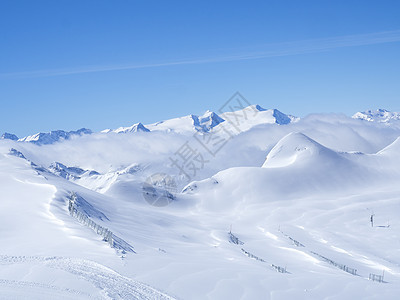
pixel 256 204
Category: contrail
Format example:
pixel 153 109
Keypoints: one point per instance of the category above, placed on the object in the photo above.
pixel 271 50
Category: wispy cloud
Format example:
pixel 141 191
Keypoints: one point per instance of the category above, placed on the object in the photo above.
pixel 272 50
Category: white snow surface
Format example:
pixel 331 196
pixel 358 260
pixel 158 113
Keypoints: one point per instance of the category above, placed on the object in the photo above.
pixel 281 211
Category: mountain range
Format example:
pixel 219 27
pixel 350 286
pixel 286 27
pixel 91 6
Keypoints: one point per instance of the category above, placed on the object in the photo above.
pixel 239 205
pixel 254 115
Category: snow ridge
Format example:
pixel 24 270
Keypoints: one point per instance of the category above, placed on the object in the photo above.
pixel 9 136
pixel 138 127
pixel 63 171
pixel 207 121
pixel 53 136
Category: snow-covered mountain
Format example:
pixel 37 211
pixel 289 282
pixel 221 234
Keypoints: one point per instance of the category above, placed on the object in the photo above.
pixel 190 123
pixel 284 207
pixel 207 121
pixel 8 136
pixel 240 120
pixel 69 172
pixel 255 115
pixel 45 138
pixel 245 118
pixel 248 117
pixel 138 127
pixel 379 115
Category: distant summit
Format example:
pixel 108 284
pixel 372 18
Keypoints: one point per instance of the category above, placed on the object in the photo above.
pixel 53 136
pixel 254 115
pixel 262 115
pixel 379 115
pixel 9 136
pixel 248 117
pixel 207 121
pixel 281 118
pixel 138 127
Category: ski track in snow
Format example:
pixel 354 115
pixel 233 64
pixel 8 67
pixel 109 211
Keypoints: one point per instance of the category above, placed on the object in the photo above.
pixel 40 289
pixel 111 283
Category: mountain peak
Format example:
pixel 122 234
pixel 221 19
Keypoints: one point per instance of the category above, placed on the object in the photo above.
pixel 255 115
pixel 251 116
pixel 138 127
pixel 380 115
pixel 255 107
pixel 53 136
pixel 9 136
pixel 207 121
pixel 281 118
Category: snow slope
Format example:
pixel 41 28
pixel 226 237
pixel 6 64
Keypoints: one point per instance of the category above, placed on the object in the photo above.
pixel 279 212
pixel 41 240
pixel 299 148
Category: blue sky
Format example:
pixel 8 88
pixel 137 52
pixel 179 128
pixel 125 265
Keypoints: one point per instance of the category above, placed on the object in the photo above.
pixel 104 64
